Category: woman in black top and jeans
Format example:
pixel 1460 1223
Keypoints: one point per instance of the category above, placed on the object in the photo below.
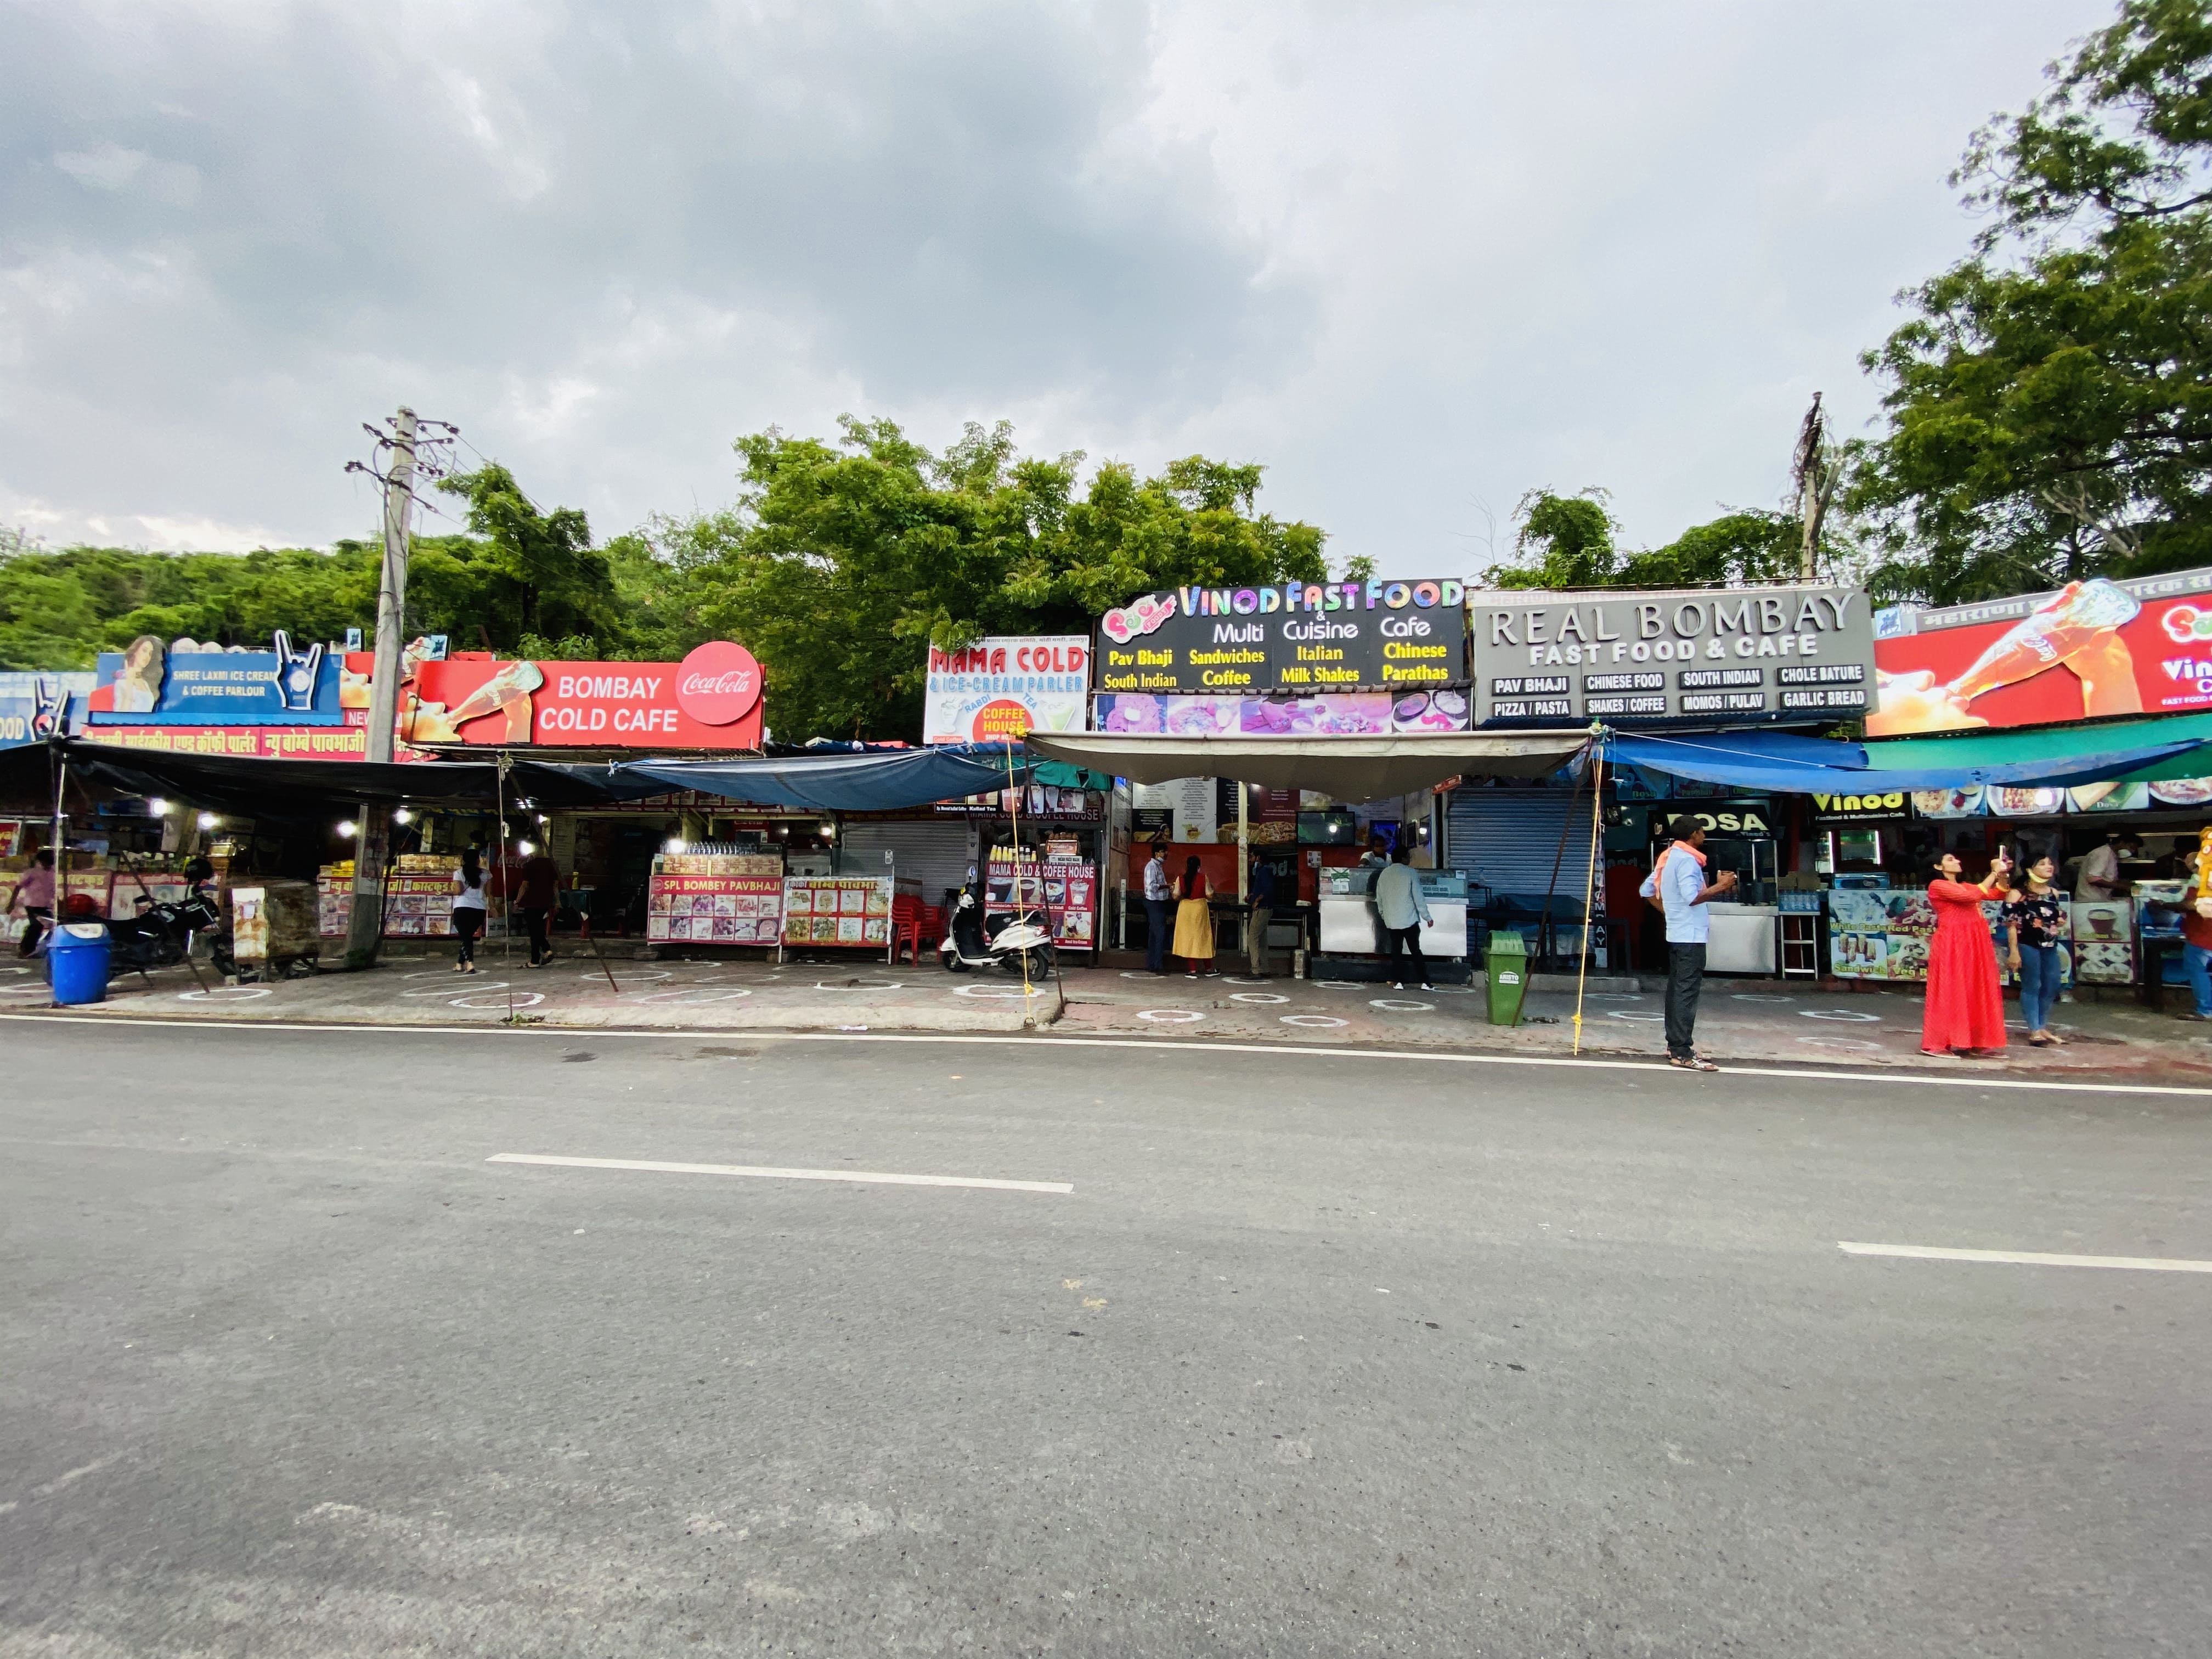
pixel 2035 921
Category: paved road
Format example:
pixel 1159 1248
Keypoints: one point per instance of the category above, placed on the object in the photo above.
pixel 1319 1356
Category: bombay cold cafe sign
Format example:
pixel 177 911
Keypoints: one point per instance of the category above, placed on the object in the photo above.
pixel 1703 655
pixel 1300 636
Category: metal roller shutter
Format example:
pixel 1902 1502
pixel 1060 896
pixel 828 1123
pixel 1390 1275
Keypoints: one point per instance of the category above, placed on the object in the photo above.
pixel 1506 839
pixel 937 855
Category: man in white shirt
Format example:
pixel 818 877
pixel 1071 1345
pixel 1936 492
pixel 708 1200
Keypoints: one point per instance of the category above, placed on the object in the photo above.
pixel 2100 871
pixel 1157 933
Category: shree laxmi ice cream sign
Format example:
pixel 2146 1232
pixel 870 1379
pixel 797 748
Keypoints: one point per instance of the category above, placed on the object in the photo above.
pixel 1005 687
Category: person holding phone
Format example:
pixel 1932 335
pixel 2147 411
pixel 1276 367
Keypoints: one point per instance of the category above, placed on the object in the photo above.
pixel 2035 921
pixel 1965 1011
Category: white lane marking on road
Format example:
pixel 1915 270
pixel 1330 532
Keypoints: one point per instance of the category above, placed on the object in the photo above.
pixel 867 1177
pixel 485 997
pixel 1285 1051
pixel 2149 1264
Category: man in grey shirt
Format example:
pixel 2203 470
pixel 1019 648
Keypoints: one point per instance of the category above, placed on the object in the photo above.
pixel 1402 907
pixel 1680 887
pixel 1158 930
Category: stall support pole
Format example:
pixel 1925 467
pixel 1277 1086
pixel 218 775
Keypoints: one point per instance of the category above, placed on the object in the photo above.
pixel 1589 883
pixel 505 888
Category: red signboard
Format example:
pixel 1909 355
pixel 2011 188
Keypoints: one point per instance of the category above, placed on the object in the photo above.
pixel 588 705
pixel 2093 648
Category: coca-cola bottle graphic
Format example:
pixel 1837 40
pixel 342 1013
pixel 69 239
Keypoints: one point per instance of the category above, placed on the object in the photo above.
pixel 2076 624
pixel 506 692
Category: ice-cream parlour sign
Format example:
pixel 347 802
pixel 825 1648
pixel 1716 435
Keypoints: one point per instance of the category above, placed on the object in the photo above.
pixel 711 700
pixel 1702 654
pixel 1305 637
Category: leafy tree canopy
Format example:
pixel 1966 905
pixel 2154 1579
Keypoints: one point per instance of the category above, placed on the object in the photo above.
pixel 2050 403
pixel 844 562
pixel 1568 542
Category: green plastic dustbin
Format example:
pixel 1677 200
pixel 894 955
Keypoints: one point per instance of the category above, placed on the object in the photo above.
pixel 1505 960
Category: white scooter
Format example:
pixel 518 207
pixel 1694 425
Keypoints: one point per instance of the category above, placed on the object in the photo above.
pixel 1016 943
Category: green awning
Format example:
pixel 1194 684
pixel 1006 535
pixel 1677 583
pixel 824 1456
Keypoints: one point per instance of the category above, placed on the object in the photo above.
pixel 2057 745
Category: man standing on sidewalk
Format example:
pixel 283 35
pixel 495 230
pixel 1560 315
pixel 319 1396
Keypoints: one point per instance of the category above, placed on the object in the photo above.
pixel 1402 909
pixel 540 895
pixel 1678 883
pixel 1156 929
pixel 1255 924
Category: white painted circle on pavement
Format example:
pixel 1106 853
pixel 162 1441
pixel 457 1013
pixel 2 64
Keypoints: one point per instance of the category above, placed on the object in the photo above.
pixel 1854 1018
pixel 859 985
pixel 1171 1016
pixel 632 973
pixel 1840 1042
pixel 1255 996
pixel 430 973
pixel 691 994
pixel 1630 1014
pixel 447 990
pixel 1398 1006
pixel 998 993
pixel 1613 996
pixel 1141 973
pixel 1232 979
pixel 226 993
pixel 1313 1019
pixel 1759 996
pixel 1338 985
pixel 475 1000
pixel 22 991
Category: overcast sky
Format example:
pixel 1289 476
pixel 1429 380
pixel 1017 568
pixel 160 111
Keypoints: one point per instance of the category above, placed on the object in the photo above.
pixel 1414 260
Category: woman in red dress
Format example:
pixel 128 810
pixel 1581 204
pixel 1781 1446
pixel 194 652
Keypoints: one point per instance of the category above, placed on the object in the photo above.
pixel 1965 1010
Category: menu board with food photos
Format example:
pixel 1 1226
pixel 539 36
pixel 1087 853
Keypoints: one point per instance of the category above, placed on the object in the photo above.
pixel 1064 889
pixel 855 911
pixel 715 898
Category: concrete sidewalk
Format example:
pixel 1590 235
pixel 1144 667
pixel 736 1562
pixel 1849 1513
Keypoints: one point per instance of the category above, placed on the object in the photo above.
pixel 1752 1021
pixel 840 995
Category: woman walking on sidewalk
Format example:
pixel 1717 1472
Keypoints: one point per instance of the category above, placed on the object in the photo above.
pixel 1193 935
pixel 2035 921
pixel 468 910
pixel 1966 1011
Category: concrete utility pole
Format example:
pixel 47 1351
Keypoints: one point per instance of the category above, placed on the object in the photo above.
pixel 1816 472
pixel 365 928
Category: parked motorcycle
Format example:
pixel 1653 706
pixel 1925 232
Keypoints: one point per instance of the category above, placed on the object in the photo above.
pixel 161 935
pixel 1019 944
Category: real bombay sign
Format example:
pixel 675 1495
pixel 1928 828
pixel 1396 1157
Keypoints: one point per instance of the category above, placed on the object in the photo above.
pixel 1300 636
pixel 1564 659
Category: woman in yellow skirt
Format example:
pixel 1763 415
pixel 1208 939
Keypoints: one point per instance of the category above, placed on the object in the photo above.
pixel 1194 934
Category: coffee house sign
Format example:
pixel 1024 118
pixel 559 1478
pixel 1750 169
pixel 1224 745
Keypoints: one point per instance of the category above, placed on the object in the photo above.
pixel 1766 652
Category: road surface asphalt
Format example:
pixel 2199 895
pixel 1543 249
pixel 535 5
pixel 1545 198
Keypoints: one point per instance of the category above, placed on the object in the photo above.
pixel 1314 1354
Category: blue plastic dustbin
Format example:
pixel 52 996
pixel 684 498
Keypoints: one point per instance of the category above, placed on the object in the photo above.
pixel 76 961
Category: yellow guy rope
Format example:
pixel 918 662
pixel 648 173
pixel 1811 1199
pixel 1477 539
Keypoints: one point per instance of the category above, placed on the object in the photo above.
pixel 1589 885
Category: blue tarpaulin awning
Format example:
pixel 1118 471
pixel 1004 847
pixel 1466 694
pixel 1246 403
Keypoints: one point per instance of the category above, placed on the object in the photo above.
pixel 1784 760
pixel 882 782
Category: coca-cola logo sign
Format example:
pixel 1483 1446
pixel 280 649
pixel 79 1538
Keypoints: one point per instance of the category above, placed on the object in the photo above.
pixel 718 683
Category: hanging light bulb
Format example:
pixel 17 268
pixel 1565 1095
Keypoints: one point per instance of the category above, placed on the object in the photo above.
pixel 402 815
pixel 347 827
pixel 208 820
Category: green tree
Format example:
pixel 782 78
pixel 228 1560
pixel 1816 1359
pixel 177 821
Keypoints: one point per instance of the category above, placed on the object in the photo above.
pixel 535 576
pixel 844 562
pixel 1565 542
pixel 2050 403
